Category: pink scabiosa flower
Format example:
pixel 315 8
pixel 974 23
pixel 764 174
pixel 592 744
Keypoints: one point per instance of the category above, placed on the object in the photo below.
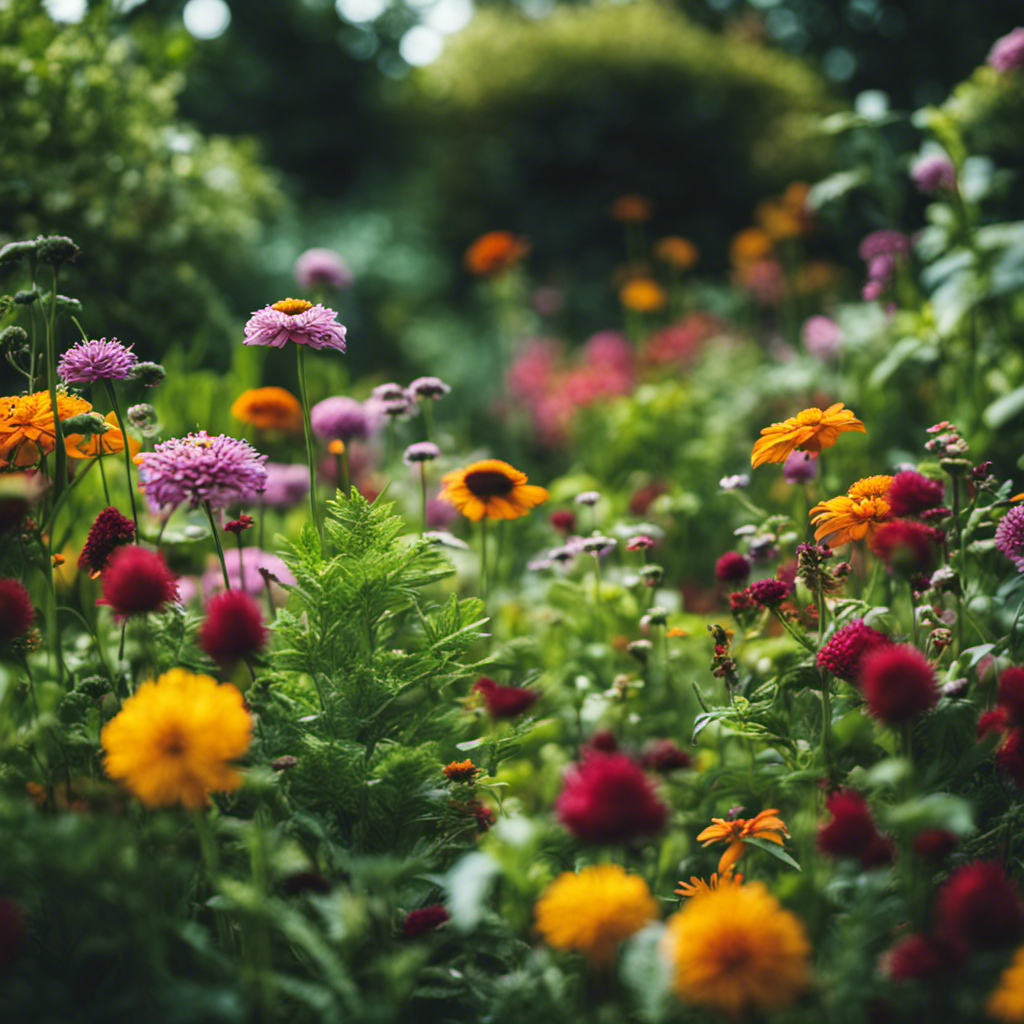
pixel 317 268
pixel 933 172
pixel 1007 53
pixel 822 337
pixel 137 580
pixel 1010 536
pixel 912 493
pixel 246 571
pixel 16 611
pixel 898 683
pixel 420 451
pixel 287 484
pixel 391 399
pixel 504 701
pixel 233 628
pixel 883 243
pixel 979 907
pixel 201 469
pixel 295 320
pixel 607 798
pixel 844 651
pixel 110 530
pixel 732 567
pixel 90 361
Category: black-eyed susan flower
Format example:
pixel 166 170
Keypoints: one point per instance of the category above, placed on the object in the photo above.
pixel 492 489
pixel 809 431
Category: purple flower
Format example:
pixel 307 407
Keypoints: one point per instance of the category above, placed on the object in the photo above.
pixel 287 484
pixel 295 320
pixel 391 399
pixel 321 267
pixel 931 173
pixel 252 561
pixel 884 243
pixel 799 467
pixel 199 468
pixel 1010 536
pixel 587 498
pixel 428 387
pixel 822 337
pixel 339 419
pixel 90 361
pixel 1007 53
pixel 421 451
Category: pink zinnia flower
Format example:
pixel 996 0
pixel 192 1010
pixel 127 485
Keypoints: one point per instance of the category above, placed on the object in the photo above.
pixel 90 361
pixel 295 320
pixel 321 267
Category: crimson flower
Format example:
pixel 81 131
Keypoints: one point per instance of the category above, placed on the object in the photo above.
pixel 137 580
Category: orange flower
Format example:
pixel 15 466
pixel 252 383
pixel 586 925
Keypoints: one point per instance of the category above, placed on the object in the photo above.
pixel 679 252
pixel 749 246
pixel 88 446
pixel 269 408
pixel 696 885
pixel 494 253
pixel 632 208
pixel 845 519
pixel 460 771
pixel 27 431
pixel 870 487
pixel 642 295
pixel 336 447
pixel 809 431
pixel 490 488
pixel 764 825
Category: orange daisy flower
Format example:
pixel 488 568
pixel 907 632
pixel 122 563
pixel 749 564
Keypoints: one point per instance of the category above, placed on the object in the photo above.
pixel 749 246
pixel 764 825
pixel 490 488
pixel 642 295
pixel 809 431
pixel 845 519
pixel 270 408
pixel 870 487
pixel 26 425
pixel 676 251
pixel 88 446
pixel 696 885
pixel 494 253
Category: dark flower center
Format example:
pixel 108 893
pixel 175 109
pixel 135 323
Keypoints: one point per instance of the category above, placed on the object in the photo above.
pixel 489 483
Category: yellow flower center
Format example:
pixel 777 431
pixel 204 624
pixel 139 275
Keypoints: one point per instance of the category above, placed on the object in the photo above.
pixel 292 306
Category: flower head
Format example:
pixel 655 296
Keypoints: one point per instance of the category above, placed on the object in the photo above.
pixel 932 173
pixel 809 431
pixel 607 798
pixel 677 252
pixel 852 831
pixel 822 337
pixel 287 484
pixel 421 451
pixel 631 208
pixel 504 701
pixel 920 956
pixel 270 408
pixel 696 885
pixel 1010 536
pixel 764 825
pixel 198 468
pixel 233 628
pixel 90 361
pixel 870 487
pixel 664 756
pixel 799 467
pixel 1006 1003
pixel 734 949
pixel 904 545
pixel 248 567
pixel 1011 694
pixel 321 267
pixel 768 593
pixel 137 580
pixel 425 920
pixel 884 242
pixel 911 493
pixel 342 419
pixel 732 567
pixel 643 295
pixel 110 530
pixel 16 611
pixel 898 683
pixel 428 387
pixel 27 431
pixel 845 649
pixel 594 911
pixel 495 252
pixel 295 320
pixel 460 771
pixel 173 741
pixel 1007 53
pixel 979 906
pixel 845 519
pixel 490 488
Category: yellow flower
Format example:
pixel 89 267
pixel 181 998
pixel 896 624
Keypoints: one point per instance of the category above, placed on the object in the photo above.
pixel 174 740
pixel 749 246
pixel 764 825
pixel 494 253
pixel 642 295
pixel 87 446
pixel 845 519
pixel 736 950
pixel 594 911
pixel 26 425
pixel 490 488
pixel 870 487
pixel 679 252
pixel 1006 1003
pixel 809 431
pixel 696 885
pixel 270 408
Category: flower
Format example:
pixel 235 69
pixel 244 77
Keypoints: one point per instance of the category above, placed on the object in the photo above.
pixel 631 208
pixel 768 593
pixel 749 246
pixel 239 526
pixel 421 451
pixel 677 252
pixel 198 468
pixel 764 825
pixel 90 361
pixel 27 431
pixel 563 520
pixel 696 885
pixel 494 252
pixel 935 844
pixel 822 337
pixel 110 530
pixel 233 628
pixel 137 580
pixel 251 564
pixel 643 295
pixel 979 906
pixel 110 442
pixel 173 741
pixel 607 798
pixel 286 485
pixel 932 173
pixel 1011 694
pixel 846 519
pixel 920 956
pixel 321 267
pixel 810 431
pixel 593 911
pixel 12 932
pixel 1009 535
pixel 664 756
pixel 460 771
pixel 852 831
pixel 845 649
pixel 898 683
pixel 428 387
pixel 870 487
pixel 735 949
pixel 504 701
pixel 16 611
pixel 911 493
pixel 1006 1003
pixel 904 546
pixel 884 242
pixel 270 408
pixel 490 488
pixel 426 919
pixel 799 467
pixel 295 320
pixel 732 567
pixel 341 419
pixel 1007 53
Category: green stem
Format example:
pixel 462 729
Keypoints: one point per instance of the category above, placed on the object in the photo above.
pixel 211 864
pixel 826 723
pixel 484 578
pixel 220 547
pixel 241 563
pixel 423 493
pixel 103 476
pixel 60 471
pixel 111 394
pixel 300 356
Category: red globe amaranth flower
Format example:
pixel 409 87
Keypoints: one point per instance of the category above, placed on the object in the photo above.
pixel 110 530
pixel 664 756
pixel 233 627
pixel 16 611
pixel 904 546
pixel 607 798
pixel 505 701
pixel 1010 756
pixel 852 829
pixel 992 721
pixel 768 593
pixel 1011 694
pixel 846 648
pixel 563 520
pixel 732 567
pixel 898 683
pixel 136 581
pixel 912 493
pixel 921 956
pixel 935 843
pixel 979 907
pixel 426 919
pixel 12 928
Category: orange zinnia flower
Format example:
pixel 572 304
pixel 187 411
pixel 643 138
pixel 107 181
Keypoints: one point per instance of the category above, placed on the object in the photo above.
pixel 642 295
pixel 695 886
pixel 844 518
pixel 87 446
pixel 679 252
pixel 809 431
pixel 270 408
pixel 490 488
pixel 870 487
pixel 26 425
pixel 493 253
pixel 764 825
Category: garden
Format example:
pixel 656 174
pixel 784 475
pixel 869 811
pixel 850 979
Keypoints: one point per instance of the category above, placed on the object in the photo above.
pixel 460 564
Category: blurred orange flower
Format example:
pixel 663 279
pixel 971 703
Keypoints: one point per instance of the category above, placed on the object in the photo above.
pixel 26 425
pixel 764 825
pixel 632 208
pixel 270 408
pixel 643 295
pixel 679 252
pixel 88 446
pixel 749 246
pixel 494 253
pixel 809 431
pixel 698 885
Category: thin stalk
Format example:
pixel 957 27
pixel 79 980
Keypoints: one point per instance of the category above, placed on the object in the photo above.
pixel 423 493
pixel 211 865
pixel 241 564
pixel 220 547
pixel 103 476
pixel 60 471
pixel 484 577
pixel 300 356
pixel 913 612
pixel 127 451
pixel 959 646
pixel 826 722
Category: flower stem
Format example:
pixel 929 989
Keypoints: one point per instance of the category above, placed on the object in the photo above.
pixel 423 493
pixel 484 578
pixel 220 547
pixel 60 472
pixel 300 356
pixel 127 452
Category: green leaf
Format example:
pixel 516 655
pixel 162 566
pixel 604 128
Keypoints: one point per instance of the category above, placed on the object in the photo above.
pixel 773 848
pixel 1004 409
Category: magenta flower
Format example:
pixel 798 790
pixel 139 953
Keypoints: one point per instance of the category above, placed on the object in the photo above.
pixel 254 565
pixel 220 470
pixel 295 320
pixel 421 451
pixel 90 361
pixel 1010 536
pixel 321 267
pixel 341 419
pixel 287 484
pixel 931 173
pixel 884 243
pixel 1007 53
pixel 822 337
pixel 428 387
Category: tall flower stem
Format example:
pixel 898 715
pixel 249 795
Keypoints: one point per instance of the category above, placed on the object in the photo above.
pixel 423 493
pixel 300 356
pixel 112 395
pixel 211 865
pixel 484 577
pixel 241 563
pixel 60 471
pixel 959 566
pixel 220 547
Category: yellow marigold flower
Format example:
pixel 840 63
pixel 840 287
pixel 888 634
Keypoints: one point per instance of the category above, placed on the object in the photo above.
pixel 88 446
pixel 490 488
pixel 679 252
pixel 736 950
pixel 270 408
pixel 1006 1003
pixel 764 825
pixel 749 246
pixel 870 487
pixel 174 740
pixel 632 208
pixel 594 911
pixel 494 253
pixel 809 431
pixel 642 295
pixel 27 431
pixel 696 885
pixel 845 519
